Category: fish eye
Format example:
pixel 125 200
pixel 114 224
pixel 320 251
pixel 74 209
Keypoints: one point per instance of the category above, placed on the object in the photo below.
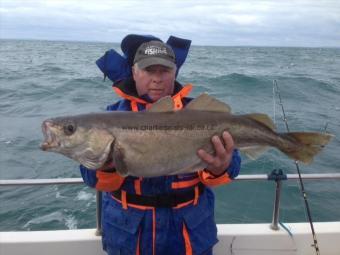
pixel 69 129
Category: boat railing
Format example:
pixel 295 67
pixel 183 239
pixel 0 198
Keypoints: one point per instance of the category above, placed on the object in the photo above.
pixel 276 175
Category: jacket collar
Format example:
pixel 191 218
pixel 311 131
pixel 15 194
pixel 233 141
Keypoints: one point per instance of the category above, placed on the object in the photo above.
pixel 127 90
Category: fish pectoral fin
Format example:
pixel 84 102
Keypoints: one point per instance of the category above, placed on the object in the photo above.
pixel 263 119
pixel 165 104
pixel 204 102
pixel 119 159
pixel 254 152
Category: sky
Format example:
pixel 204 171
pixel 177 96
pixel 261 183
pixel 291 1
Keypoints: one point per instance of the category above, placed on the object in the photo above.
pixel 309 23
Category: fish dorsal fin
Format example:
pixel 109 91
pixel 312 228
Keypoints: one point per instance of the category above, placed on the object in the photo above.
pixel 262 118
pixel 165 104
pixel 253 152
pixel 204 102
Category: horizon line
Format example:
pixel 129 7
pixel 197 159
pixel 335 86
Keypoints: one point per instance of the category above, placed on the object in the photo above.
pixel 198 45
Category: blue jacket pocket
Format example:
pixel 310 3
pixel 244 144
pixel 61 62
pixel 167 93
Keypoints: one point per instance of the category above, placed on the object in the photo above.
pixel 120 226
pixel 200 223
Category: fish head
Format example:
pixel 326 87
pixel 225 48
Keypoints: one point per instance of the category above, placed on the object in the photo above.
pixel 87 144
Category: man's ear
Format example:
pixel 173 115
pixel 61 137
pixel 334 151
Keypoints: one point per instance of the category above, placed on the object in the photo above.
pixel 133 69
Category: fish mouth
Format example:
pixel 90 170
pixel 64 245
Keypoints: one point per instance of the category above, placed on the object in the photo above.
pixel 51 140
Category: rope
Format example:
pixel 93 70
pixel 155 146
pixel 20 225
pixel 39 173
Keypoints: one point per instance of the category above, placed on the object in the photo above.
pixel 286 228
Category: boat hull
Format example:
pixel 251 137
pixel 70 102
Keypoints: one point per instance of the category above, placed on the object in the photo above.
pixel 235 239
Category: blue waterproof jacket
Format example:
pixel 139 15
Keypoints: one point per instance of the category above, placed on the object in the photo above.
pixel 188 228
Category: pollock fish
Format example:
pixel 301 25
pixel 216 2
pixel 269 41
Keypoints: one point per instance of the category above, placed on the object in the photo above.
pixel 161 141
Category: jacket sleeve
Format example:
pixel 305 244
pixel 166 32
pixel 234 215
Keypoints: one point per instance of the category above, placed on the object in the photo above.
pixel 101 180
pixel 230 173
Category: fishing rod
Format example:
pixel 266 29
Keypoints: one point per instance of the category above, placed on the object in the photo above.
pixel 302 188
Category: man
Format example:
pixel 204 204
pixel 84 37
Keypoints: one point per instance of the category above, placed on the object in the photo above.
pixel 167 214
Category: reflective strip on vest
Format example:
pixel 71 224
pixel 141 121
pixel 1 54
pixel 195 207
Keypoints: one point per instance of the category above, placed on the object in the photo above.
pixel 185 184
pixel 138 188
pixel 188 247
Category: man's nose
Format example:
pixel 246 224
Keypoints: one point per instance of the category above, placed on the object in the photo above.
pixel 157 77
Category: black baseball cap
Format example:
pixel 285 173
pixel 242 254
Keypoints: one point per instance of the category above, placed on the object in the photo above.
pixel 154 53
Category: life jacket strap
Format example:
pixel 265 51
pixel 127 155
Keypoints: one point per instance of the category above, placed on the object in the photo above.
pixel 177 98
pixel 166 200
pixel 120 93
pixel 185 184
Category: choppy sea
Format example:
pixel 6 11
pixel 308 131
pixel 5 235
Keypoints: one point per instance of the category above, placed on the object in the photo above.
pixel 42 79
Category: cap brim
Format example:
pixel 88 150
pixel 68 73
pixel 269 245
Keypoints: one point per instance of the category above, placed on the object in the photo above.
pixel 144 63
pixel 131 42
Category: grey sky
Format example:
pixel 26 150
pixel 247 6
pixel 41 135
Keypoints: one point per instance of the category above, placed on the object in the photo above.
pixel 244 22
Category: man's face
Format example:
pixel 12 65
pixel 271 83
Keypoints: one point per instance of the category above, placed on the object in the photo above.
pixel 156 81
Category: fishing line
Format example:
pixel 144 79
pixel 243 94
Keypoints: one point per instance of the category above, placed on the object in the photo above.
pixel 302 188
pixel 325 128
pixel 274 106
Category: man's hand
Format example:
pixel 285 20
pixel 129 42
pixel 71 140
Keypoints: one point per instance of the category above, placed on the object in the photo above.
pixel 219 163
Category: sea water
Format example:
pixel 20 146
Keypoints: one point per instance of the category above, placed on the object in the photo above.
pixel 43 79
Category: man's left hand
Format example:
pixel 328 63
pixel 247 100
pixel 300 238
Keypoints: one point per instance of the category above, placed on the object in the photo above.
pixel 220 162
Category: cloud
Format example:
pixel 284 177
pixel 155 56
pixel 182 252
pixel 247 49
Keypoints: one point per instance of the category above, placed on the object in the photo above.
pixel 243 22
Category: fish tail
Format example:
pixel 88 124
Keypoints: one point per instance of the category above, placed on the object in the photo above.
pixel 306 145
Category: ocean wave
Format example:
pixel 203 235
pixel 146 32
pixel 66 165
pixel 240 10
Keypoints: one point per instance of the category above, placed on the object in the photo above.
pixel 238 81
pixel 307 90
pixel 60 217
pixel 242 80
pixel 85 196
pixel 47 79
